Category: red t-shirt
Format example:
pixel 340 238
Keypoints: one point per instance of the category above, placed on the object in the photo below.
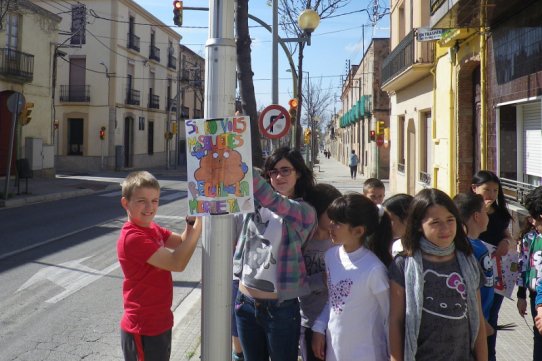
pixel 147 291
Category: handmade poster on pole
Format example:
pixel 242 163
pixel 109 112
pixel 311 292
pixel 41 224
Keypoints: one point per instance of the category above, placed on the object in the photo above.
pixel 505 270
pixel 219 166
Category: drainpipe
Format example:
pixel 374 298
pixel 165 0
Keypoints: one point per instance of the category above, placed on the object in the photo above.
pixel 483 94
pixel 434 122
pixel 452 129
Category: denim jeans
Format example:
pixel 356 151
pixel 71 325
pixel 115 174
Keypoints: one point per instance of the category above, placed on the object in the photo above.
pixel 267 328
pixel 537 338
pixel 493 320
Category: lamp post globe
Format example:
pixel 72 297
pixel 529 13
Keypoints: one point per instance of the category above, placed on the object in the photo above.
pixel 308 20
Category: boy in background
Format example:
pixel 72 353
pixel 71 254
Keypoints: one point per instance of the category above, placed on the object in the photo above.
pixel 147 254
pixel 374 189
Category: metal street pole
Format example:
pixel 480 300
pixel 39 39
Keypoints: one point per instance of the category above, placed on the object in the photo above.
pixel 275 54
pixel 220 64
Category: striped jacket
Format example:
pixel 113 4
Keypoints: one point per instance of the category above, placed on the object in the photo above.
pixel 299 222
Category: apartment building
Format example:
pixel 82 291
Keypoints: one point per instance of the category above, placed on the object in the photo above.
pixel 191 95
pixel 115 86
pixel 406 76
pixel 28 34
pixel 495 98
pixel 365 107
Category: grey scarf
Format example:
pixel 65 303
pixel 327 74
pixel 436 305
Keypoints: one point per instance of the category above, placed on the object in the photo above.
pixel 414 293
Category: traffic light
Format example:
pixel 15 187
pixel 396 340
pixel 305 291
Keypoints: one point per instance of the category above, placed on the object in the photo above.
pixel 372 136
pixel 307 136
pixel 26 114
pixel 178 12
pixel 293 109
pixel 174 127
pixel 102 133
pixel 380 126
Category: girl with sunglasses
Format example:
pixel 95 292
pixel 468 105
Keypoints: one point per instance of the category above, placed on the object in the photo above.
pixel 268 259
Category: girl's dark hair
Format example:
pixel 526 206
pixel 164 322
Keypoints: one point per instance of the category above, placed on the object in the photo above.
pixel 485 176
pixel 355 210
pixel 398 204
pixel 418 209
pixel 533 202
pixel 305 183
pixel 467 204
pixel 322 196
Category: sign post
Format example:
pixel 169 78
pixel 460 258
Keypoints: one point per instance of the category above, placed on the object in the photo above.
pixel 15 104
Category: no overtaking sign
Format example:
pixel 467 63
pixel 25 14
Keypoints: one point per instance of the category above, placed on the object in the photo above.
pixel 274 122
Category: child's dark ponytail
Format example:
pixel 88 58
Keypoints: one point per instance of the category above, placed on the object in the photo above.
pixel 380 241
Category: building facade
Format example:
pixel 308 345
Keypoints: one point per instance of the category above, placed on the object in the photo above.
pixel 364 106
pixel 114 87
pixel 27 33
pixel 406 76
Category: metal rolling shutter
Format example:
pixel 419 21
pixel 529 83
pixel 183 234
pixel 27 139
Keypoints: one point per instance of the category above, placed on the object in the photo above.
pixel 532 138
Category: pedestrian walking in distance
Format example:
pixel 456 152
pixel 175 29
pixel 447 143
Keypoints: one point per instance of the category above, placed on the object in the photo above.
pixel 353 164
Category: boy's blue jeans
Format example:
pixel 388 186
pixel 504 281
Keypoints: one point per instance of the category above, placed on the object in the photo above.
pixel 537 338
pixel 267 328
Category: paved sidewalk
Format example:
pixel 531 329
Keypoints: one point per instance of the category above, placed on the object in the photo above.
pixel 68 185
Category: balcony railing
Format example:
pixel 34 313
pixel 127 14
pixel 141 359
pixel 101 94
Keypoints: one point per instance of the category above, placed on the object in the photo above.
pixel 75 93
pixel 154 53
pixel 171 62
pixel 185 75
pixel 154 101
pixel 133 97
pixel 16 65
pixel 133 42
pixel 425 178
pixel 171 105
pixel 515 191
pixel 406 54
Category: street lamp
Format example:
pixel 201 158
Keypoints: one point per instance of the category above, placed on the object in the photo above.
pixel 308 21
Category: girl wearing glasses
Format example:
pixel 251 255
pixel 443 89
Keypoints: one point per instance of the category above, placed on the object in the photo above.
pixel 268 259
pixel 435 311
pixel 355 321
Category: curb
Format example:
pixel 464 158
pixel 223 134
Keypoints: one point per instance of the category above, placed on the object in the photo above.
pixel 186 336
pixel 11 203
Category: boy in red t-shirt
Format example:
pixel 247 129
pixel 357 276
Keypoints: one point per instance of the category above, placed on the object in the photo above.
pixel 147 254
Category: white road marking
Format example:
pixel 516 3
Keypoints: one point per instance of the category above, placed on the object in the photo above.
pixel 72 276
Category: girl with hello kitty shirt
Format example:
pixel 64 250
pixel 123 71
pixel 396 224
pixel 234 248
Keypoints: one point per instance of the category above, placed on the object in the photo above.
pixel 435 311
pixel 355 320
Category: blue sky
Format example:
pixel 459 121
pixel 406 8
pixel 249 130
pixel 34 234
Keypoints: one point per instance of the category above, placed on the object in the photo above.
pixel 334 42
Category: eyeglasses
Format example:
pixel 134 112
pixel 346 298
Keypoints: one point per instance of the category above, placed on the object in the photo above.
pixel 284 172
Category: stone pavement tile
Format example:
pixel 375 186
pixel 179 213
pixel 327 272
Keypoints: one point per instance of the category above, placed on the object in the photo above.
pixel 515 344
pixel 187 336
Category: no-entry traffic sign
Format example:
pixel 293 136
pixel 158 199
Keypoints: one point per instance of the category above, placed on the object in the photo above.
pixel 274 121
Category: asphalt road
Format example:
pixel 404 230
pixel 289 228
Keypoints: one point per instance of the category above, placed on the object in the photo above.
pixel 61 283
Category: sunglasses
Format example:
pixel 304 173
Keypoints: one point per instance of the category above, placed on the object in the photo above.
pixel 284 172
